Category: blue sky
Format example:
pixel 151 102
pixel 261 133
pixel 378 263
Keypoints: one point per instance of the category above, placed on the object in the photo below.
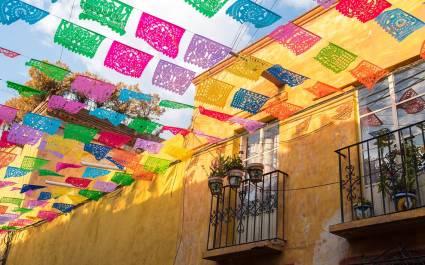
pixel 36 41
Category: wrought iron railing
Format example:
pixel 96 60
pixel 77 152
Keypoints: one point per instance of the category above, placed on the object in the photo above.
pixel 251 213
pixel 384 174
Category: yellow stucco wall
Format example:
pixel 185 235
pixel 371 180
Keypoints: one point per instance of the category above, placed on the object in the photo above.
pixel 165 222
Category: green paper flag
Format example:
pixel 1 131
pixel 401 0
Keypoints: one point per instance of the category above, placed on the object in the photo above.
pixel 335 58
pixel 111 13
pixel 52 71
pixel 25 91
pixel 33 163
pixel 207 7
pixel 144 126
pixel 79 133
pixel 8 228
pixel 122 179
pixel 156 165
pixel 45 172
pixel 78 39
pixel 22 210
pixel 91 194
pixel 11 200
pixel 174 105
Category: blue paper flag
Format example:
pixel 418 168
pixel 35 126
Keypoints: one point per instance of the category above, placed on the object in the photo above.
pixel 14 10
pixel 98 151
pixel 399 23
pixel 118 165
pixel 248 11
pixel 92 172
pixel 28 187
pixel 285 76
pixel 248 101
pixel 44 196
pixel 115 118
pixel 126 95
pixel 42 123
pixel 12 172
pixel 63 207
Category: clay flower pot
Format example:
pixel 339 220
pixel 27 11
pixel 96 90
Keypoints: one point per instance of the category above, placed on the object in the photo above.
pixel 235 177
pixel 216 185
pixel 255 172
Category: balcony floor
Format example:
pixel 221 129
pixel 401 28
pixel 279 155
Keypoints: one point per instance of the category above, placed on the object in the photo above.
pixel 394 222
pixel 250 249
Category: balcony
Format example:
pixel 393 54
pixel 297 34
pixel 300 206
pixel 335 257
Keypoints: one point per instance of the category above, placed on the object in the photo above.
pixel 247 220
pixel 382 184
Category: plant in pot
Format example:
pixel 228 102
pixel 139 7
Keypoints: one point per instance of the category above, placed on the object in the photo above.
pixel 217 173
pixel 255 172
pixel 235 171
pixel 398 178
pixel 362 209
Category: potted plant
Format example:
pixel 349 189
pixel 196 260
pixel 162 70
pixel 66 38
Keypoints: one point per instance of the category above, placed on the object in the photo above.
pixel 398 178
pixel 255 172
pixel 235 171
pixel 217 173
pixel 362 209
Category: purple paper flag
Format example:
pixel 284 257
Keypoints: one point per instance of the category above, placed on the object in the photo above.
pixel 172 77
pixel 104 186
pixel 150 146
pixel 204 52
pixel 21 134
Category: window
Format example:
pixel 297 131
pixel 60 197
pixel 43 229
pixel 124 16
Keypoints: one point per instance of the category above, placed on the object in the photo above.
pixel 262 147
pixel 394 103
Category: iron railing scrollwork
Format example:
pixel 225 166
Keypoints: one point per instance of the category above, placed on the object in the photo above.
pixel 384 174
pixel 253 212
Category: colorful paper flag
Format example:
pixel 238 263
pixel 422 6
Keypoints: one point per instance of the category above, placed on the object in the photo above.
pixel 55 72
pixel 126 95
pixel 63 207
pixel 79 133
pixel 8 53
pixel 78 182
pixel 10 200
pixel 214 92
pixel 295 38
pixel 115 140
pixel 91 172
pixel 163 36
pixel 321 90
pixel 175 130
pixel 127 60
pixel 111 13
pixel 249 67
pixel 60 103
pixel 6 158
pixel 91 194
pixel 281 76
pixel 14 10
pixel 156 165
pixel 363 10
pixel 30 187
pixel 368 74
pixel 172 77
pixel 282 109
pixel 46 172
pixel 42 123
pixel 24 91
pixel 47 215
pixel 14 172
pixel 104 186
pixel 91 88
pixel 122 179
pixel 115 118
pixel 207 7
pixel 98 151
pixel 399 23
pixel 60 166
pixel 335 58
pixel 33 163
pixel 249 101
pixel 247 11
pixel 78 39
pixel 150 146
pixel 144 126
pixel 7 114
pixel 204 52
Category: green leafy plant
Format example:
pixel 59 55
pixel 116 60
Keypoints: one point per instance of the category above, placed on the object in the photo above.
pixel 234 162
pixel 218 167
pixel 399 168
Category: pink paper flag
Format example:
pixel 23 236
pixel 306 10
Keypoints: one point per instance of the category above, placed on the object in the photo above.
pixel 70 106
pixel 250 125
pixel 295 38
pixel 6 184
pixel 31 204
pixel 47 215
pixel 127 60
pixel 175 130
pixel 210 139
pixel 163 36
pixel 7 113
pixel 96 90
pixel 60 166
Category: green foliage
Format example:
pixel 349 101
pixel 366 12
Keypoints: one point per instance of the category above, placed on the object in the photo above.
pixel 218 167
pixel 399 169
pixel 234 162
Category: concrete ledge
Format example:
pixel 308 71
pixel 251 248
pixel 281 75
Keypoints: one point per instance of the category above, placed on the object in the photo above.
pixel 244 250
pixel 394 222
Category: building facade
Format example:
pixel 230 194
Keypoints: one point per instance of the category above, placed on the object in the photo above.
pixel 343 175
